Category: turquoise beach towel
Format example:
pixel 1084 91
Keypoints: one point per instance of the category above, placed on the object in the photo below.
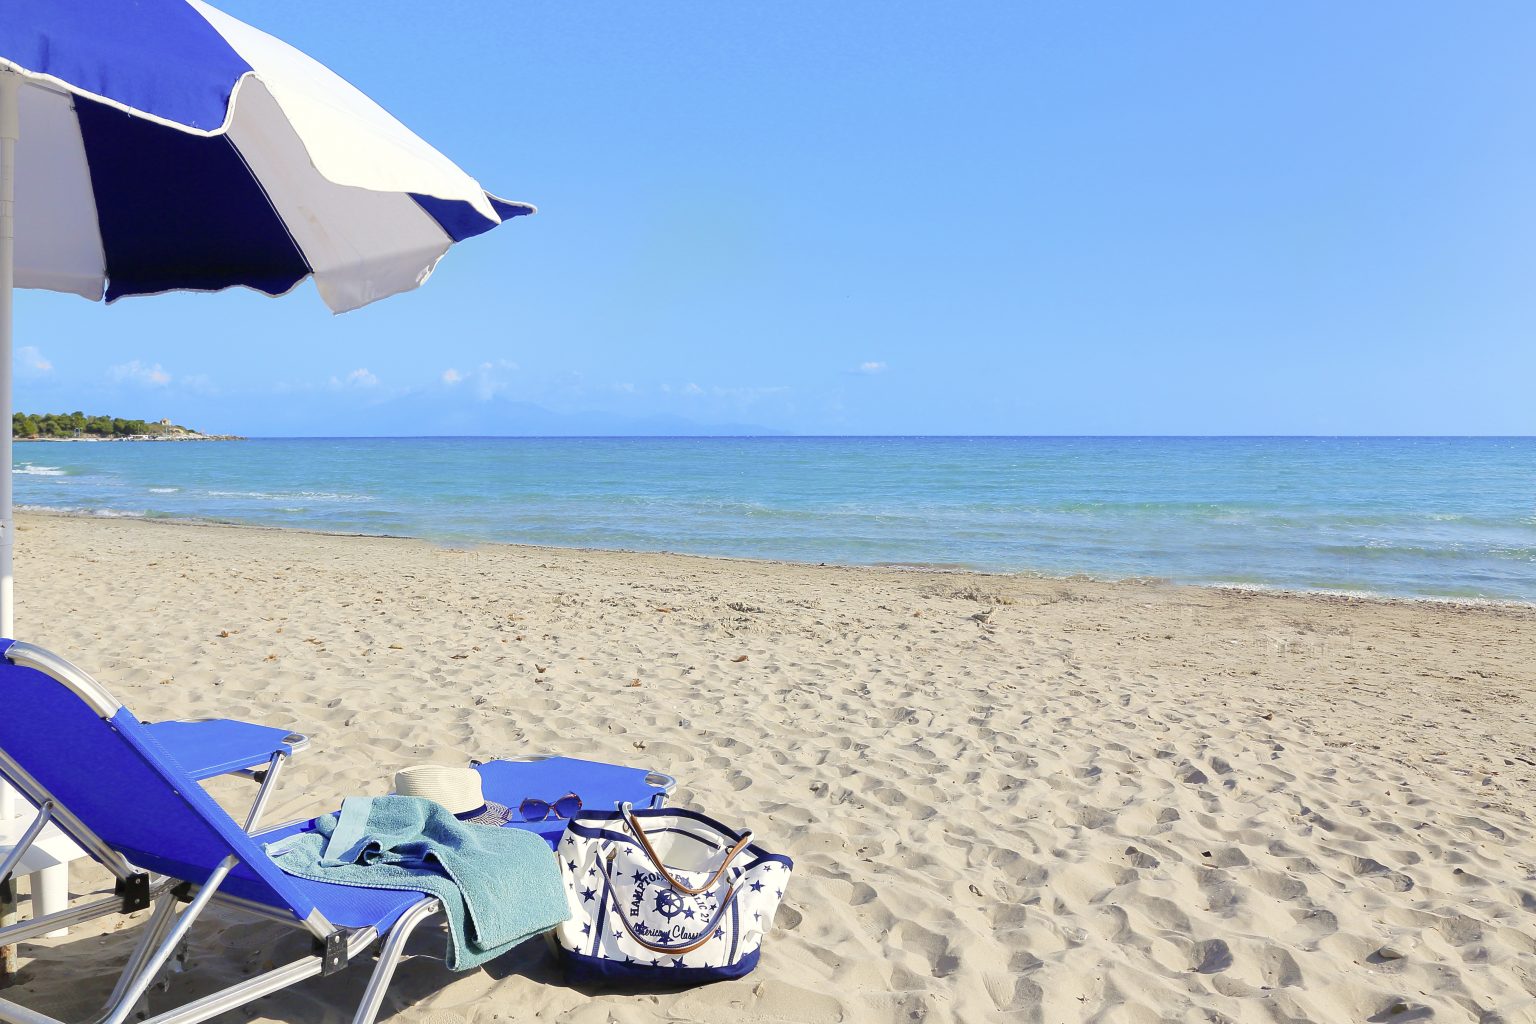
pixel 499 886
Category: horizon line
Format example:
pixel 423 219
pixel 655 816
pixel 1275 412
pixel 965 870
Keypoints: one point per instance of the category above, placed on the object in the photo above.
pixel 842 437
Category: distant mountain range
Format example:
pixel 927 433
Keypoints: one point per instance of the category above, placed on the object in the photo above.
pixel 416 415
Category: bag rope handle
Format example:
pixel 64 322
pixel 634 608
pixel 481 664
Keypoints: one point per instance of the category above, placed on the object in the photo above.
pixel 626 811
pixel 705 936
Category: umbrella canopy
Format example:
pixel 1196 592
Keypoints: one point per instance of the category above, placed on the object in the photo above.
pixel 167 145
pixel 157 145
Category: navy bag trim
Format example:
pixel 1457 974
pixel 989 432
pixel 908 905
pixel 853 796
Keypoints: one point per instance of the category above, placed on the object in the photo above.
pixel 663 972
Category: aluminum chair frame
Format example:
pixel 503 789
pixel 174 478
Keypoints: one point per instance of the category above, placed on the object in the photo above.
pixel 166 930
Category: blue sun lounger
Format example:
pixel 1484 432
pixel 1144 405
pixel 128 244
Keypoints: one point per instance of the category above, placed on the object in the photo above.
pixel 110 783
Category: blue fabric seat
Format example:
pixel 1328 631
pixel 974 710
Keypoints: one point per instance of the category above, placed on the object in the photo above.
pixel 348 906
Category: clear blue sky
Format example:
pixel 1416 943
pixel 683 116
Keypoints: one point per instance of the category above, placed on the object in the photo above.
pixel 894 217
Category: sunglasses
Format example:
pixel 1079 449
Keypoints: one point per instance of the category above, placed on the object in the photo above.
pixel 540 810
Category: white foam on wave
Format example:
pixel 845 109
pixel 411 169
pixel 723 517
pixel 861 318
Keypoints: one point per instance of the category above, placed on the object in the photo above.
pixel 164 490
pixel 1355 594
pixel 28 469
pixel 77 510
pixel 330 496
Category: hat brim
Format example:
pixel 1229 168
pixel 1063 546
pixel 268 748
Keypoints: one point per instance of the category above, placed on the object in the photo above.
pixel 493 814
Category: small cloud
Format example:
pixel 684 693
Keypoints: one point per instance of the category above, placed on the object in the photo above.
pixel 870 368
pixel 136 372
pixel 31 360
pixel 748 392
pixel 736 393
pixel 199 383
pixel 625 388
pixel 485 379
pixel 487 382
pixel 358 378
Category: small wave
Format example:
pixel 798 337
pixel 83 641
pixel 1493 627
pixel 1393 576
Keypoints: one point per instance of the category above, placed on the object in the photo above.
pixel 1379 549
pixel 79 510
pixel 164 490
pixel 290 496
pixel 28 469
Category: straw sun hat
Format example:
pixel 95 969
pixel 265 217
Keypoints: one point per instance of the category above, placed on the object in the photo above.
pixel 457 789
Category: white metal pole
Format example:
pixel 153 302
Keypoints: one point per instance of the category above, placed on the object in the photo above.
pixel 10 131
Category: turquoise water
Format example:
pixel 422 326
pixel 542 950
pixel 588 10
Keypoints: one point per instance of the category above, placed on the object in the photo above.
pixel 1431 517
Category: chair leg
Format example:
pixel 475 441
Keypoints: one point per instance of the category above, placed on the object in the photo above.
pixel 268 784
pixel 216 1003
pixel 389 959
pixel 139 985
pixel 50 894
pixel 7 919
pixel 238 995
pixel 155 929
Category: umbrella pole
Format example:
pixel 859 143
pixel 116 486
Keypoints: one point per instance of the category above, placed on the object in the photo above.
pixel 10 129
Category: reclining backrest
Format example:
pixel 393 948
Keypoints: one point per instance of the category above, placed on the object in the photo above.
pixel 61 732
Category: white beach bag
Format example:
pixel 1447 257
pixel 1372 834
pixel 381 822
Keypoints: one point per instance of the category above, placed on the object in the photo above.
pixel 664 895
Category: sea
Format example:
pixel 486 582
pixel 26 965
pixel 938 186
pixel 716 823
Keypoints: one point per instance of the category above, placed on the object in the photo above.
pixel 1413 517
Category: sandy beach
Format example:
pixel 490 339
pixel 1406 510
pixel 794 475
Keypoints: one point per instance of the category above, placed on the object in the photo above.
pixel 1008 798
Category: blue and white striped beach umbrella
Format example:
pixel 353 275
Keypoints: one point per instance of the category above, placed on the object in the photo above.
pixel 166 145
pixel 157 145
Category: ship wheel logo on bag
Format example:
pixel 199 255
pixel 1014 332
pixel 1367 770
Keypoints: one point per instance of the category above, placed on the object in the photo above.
pixel 668 904
pixel 661 912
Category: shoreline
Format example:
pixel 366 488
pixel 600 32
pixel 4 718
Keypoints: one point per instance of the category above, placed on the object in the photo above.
pixel 131 437
pixel 937 569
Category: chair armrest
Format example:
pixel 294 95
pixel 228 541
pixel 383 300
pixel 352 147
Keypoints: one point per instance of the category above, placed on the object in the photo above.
pixel 210 747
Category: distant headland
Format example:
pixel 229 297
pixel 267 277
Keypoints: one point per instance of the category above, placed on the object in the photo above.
pixel 77 426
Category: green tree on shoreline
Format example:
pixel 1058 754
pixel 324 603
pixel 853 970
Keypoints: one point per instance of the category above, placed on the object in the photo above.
pixel 77 424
